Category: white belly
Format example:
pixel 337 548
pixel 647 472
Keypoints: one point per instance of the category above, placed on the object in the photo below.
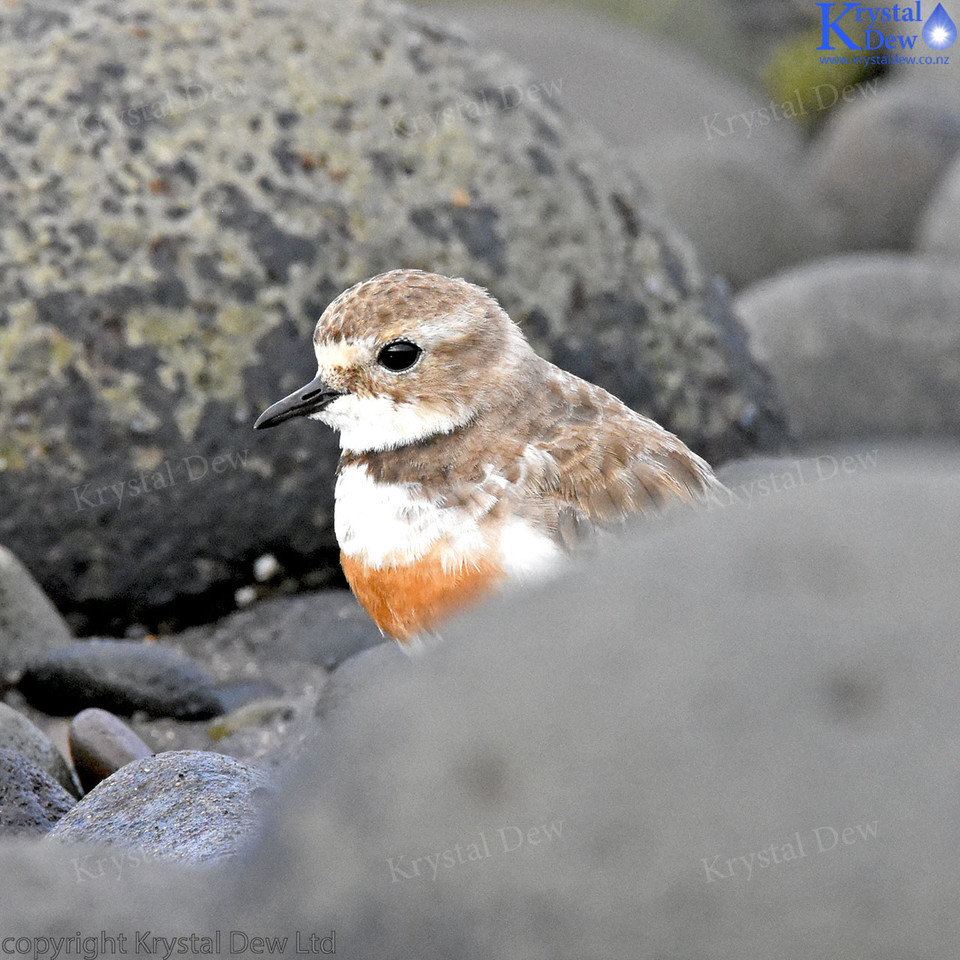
pixel 386 524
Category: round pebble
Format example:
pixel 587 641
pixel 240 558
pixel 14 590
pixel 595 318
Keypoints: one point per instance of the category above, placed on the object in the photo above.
pixel 100 744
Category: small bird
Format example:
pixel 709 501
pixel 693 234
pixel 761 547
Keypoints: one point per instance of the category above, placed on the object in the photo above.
pixel 467 460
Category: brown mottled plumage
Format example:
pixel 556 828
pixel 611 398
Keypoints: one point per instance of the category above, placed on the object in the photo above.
pixel 475 460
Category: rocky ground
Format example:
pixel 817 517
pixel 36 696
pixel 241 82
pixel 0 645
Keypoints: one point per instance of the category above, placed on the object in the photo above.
pixel 731 737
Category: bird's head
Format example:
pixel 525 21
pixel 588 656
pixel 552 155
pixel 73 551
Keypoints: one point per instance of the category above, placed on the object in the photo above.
pixel 404 356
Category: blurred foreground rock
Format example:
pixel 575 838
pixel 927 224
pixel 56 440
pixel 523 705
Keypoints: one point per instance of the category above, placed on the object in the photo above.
pixel 595 768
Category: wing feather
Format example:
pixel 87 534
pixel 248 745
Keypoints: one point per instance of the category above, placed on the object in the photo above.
pixel 597 464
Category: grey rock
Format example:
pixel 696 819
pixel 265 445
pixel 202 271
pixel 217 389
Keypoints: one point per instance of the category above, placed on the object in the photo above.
pixel 862 345
pixel 879 161
pixel 936 85
pixel 100 744
pixel 710 150
pixel 19 735
pixel 747 210
pixel 735 36
pixel 123 677
pixel 938 234
pixel 31 801
pixel 29 623
pixel 185 805
pixel 272 662
pixel 161 284
pixel 322 628
pixel 233 696
pixel 635 89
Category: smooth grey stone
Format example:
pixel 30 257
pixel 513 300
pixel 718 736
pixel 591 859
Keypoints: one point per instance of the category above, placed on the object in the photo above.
pixel 207 221
pixel 186 805
pixel 19 735
pixel 322 628
pixel 747 211
pixel 634 88
pixel 862 345
pixel 121 676
pixel 29 623
pixel 879 161
pixel 31 801
pixel 100 744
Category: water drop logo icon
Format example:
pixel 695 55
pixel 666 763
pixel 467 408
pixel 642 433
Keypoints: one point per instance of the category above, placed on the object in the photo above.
pixel 939 31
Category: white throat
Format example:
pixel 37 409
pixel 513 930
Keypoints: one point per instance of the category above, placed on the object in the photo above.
pixel 368 424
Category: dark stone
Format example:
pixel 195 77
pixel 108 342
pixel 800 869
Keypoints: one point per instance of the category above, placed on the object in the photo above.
pixel 123 677
pixel 31 802
pixel 323 628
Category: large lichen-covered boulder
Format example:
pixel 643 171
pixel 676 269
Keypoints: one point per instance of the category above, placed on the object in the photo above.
pixel 183 188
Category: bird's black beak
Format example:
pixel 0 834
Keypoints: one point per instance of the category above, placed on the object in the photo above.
pixel 309 399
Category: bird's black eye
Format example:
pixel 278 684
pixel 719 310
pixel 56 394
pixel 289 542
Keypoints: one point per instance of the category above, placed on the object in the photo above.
pixel 399 355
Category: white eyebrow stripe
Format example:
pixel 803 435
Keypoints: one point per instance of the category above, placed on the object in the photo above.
pixel 342 353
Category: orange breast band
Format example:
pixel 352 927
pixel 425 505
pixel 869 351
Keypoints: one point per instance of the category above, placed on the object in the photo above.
pixel 406 600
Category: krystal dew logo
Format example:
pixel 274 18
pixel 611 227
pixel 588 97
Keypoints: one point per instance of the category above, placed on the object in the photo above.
pixel 938 31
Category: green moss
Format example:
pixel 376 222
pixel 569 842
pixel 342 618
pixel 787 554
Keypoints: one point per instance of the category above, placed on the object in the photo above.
pixel 794 72
pixel 31 356
pixel 200 361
